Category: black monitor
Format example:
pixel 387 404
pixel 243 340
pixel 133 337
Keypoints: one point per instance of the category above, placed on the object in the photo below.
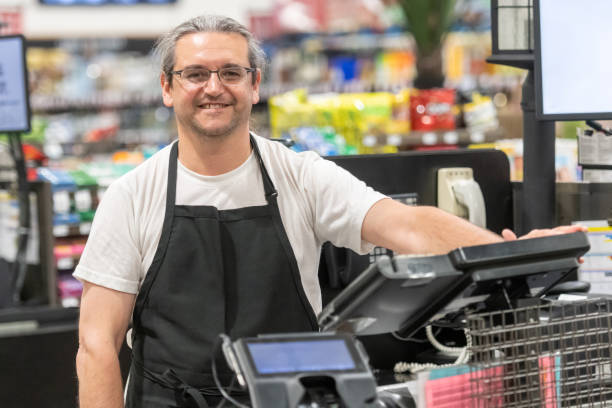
pixel 14 96
pixel 572 60
pixel 402 294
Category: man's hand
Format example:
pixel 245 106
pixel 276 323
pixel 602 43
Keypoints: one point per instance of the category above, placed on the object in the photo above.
pixel 509 235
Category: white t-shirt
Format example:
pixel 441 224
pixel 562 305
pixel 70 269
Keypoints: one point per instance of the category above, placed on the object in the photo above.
pixel 318 202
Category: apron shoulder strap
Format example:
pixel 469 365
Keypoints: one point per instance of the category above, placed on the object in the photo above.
pixel 269 188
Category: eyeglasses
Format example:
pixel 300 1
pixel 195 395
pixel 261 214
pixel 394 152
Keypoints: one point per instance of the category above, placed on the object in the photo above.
pixel 227 75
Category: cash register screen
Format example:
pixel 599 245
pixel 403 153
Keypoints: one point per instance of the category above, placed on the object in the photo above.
pixel 301 356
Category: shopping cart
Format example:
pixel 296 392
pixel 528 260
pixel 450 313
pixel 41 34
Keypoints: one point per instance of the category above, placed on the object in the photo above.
pixel 556 355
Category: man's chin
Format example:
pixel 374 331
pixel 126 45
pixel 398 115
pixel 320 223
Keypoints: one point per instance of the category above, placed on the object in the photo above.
pixel 214 132
pixel 211 129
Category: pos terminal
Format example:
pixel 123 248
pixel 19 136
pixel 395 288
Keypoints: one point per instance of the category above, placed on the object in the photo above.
pixel 303 370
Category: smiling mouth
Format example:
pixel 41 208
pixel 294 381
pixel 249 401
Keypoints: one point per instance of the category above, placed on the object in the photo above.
pixel 213 106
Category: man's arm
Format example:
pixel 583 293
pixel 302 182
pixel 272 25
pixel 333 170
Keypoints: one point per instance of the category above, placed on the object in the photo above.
pixel 103 322
pixel 420 229
pixel 429 230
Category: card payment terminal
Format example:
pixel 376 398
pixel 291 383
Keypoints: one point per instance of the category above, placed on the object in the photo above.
pixel 303 370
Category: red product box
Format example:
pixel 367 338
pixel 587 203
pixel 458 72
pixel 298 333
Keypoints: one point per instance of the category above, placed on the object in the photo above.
pixel 432 109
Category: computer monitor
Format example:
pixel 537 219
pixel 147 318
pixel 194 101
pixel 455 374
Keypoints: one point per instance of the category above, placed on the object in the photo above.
pixel 14 96
pixel 572 61
pixel 404 293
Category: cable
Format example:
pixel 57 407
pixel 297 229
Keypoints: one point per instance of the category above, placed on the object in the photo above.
pixel 453 351
pixel 399 337
pixel 223 401
pixel 597 126
pixel 463 357
pixel 216 377
pixel 20 265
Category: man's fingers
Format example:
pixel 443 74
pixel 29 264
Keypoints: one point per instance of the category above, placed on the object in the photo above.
pixel 567 229
pixel 564 229
pixel 508 235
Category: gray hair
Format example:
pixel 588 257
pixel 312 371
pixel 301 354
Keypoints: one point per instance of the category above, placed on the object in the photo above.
pixel 166 45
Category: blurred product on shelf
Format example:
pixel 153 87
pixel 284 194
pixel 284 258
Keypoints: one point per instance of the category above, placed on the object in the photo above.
pixel 70 290
pixel 350 116
pixel 324 141
pixel 480 113
pixel 78 70
pixel 379 61
pixel 382 122
pixel 432 109
pixel 93 96
pixel 566 158
pixel 300 16
pixel 77 188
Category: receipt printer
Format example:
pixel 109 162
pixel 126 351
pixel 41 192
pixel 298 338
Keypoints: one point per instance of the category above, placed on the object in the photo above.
pixel 303 370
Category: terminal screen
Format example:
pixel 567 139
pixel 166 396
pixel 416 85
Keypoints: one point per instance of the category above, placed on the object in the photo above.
pixel 301 356
pixel 575 68
pixel 13 88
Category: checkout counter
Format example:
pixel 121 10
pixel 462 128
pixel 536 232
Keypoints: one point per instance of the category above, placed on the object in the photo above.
pixel 39 344
pixel 395 295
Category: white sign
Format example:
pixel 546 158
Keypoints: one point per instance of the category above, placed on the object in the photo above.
pixel 575 63
pixel 14 106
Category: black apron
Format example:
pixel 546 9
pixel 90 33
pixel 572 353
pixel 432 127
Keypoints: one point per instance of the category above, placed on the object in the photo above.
pixel 214 271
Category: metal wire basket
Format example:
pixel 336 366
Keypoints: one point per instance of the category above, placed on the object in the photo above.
pixel 557 355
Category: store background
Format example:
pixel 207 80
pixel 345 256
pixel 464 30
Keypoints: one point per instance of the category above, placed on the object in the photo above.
pixel 337 82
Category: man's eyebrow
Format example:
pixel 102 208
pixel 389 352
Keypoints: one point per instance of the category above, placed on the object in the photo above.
pixel 194 66
pixel 227 65
pixel 231 65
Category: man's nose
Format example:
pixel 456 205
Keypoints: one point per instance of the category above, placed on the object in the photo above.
pixel 213 86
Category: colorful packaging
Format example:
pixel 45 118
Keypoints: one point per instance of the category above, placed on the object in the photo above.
pixel 432 109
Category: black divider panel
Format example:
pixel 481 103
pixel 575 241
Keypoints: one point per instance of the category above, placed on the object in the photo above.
pixel 37 364
pixel 414 172
pixel 409 172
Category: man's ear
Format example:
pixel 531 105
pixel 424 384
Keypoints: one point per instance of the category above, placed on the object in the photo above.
pixel 166 87
pixel 255 97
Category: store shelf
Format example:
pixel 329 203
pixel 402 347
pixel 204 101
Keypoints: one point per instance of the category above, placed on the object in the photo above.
pixel 435 138
pixel 102 100
pixel 271 89
pixel 359 42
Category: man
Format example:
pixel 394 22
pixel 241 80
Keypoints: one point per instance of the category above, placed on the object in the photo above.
pixel 221 232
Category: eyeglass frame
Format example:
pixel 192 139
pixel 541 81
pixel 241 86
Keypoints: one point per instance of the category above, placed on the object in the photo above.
pixel 247 69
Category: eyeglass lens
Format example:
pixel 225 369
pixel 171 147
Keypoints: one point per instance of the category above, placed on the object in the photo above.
pixel 229 75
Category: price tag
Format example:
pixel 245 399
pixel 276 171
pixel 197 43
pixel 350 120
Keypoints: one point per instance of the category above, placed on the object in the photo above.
pixel 84 228
pixel 477 137
pixel 429 138
pixel 369 141
pixel 65 263
pixel 70 302
pixel 61 230
pixel 82 199
pixel 394 140
pixel 451 137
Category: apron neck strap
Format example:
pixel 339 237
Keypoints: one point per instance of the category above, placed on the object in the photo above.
pixel 171 189
pixel 269 188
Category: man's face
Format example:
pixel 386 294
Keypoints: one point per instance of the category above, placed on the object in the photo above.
pixel 211 109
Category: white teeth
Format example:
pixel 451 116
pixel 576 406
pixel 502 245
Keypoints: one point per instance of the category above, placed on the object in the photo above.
pixel 213 105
